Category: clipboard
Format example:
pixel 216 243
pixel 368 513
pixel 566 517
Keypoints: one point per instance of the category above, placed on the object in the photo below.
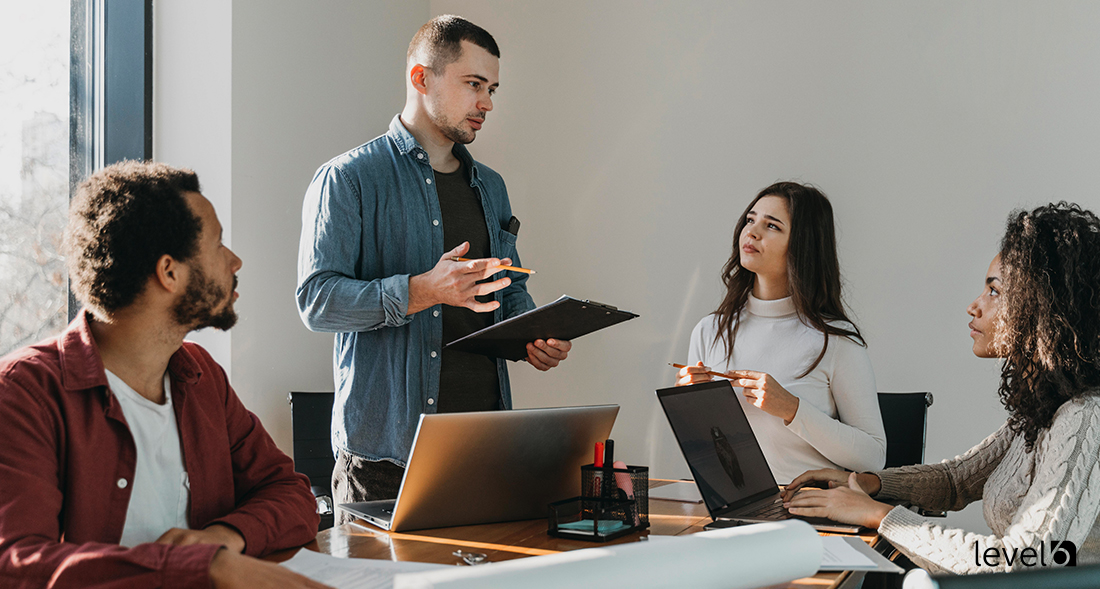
pixel 566 318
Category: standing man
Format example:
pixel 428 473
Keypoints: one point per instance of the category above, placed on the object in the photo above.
pixel 381 226
pixel 126 459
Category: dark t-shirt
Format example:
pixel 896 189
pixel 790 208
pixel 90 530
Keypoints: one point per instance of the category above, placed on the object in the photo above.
pixel 467 382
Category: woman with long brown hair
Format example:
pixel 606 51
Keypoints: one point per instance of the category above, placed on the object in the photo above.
pixel 1039 474
pixel 783 337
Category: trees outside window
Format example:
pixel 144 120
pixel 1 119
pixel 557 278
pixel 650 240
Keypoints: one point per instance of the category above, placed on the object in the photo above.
pixel 34 170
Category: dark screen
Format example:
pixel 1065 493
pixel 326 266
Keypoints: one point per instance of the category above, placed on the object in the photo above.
pixel 717 442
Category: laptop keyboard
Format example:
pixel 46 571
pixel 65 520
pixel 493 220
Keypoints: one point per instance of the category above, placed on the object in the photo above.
pixel 774 510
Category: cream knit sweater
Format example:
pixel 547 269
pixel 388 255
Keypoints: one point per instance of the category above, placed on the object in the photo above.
pixel 1050 493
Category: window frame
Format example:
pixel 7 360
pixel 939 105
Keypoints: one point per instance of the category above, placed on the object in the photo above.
pixel 110 89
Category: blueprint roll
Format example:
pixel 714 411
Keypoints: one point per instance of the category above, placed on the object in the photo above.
pixel 733 558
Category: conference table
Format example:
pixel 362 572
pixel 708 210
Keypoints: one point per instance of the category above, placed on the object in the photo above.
pixel 520 539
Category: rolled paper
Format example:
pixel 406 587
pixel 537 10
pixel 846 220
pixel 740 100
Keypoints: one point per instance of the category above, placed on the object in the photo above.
pixel 743 557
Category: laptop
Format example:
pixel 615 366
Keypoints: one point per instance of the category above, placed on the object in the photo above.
pixel 725 458
pixel 490 466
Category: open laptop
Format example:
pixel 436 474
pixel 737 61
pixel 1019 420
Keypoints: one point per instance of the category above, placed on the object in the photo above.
pixel 725 458
pixel 491 466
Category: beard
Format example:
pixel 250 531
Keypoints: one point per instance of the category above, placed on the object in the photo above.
pixel 453 132
pixel 198 307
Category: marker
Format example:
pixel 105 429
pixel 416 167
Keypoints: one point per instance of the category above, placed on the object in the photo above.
pixel 511 268
pixel 597 477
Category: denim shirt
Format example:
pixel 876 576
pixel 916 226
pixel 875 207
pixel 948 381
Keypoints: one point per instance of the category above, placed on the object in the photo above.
pixel 370 220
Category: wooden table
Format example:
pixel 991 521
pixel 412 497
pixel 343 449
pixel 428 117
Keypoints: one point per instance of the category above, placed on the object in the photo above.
pixel 509 540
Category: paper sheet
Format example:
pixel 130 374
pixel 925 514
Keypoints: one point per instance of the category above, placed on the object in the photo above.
pixel 685 491
pixel 734 558
pixel 353 573
pixel 838 555
pixel 847 553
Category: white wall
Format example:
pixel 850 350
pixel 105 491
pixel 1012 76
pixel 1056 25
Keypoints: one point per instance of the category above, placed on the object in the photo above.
pixel 310 81
pixel 632 134
pixel 192 91
pixel 255 96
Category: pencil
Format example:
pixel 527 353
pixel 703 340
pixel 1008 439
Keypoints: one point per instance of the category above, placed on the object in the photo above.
pixel 512 268
pixel 722 374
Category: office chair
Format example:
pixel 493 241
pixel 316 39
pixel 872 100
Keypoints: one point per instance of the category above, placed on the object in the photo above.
pixel 904 417
pixel 1070 577
pixel 311 424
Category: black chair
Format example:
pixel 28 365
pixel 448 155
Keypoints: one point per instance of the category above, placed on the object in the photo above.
pixel 311 424
pixel 904 417
pixel 1070 577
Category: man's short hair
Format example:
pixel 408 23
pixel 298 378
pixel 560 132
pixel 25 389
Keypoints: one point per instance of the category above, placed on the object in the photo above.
pixel 121 221
pixel 439 42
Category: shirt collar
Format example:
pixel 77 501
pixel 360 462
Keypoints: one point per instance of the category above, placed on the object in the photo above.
pixel 82 367
pixel 408 145
pixel 777 308
pixel 404 140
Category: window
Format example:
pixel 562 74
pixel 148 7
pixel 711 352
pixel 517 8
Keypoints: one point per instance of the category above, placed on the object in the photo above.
pixel 75 95
pixel 34 170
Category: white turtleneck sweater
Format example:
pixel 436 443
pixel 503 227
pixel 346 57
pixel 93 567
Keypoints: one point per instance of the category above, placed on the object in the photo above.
pixel 838 424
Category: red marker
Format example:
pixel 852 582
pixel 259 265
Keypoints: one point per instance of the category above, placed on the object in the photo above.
pixel 598 461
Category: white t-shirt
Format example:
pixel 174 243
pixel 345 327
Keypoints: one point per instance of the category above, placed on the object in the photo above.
pixel 838 424
pixel 161 491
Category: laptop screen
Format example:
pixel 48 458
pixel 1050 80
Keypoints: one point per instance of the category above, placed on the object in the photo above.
pixel 717 442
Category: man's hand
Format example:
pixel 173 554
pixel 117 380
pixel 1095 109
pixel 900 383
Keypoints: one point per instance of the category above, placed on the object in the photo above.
pixel 846 504
pixel 214 534
pixel 764 392
pixel 547 354
pixel 230 570
pixel 455 283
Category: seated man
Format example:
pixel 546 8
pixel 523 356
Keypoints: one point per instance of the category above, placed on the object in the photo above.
pixel 126 459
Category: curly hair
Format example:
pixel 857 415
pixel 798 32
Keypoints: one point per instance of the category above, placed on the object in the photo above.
pixel 121 221
pixel 1048 329
pixel 813 270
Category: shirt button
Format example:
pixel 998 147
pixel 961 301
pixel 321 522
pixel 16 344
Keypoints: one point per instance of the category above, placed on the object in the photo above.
pixel 419 156
pixel 122 483
pixel 431 401
pixel 435 222
pixel 428 180
pixel 435 313
pixel 433 354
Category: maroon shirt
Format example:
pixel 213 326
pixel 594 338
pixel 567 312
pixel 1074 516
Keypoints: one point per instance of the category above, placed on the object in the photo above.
pixel 67 467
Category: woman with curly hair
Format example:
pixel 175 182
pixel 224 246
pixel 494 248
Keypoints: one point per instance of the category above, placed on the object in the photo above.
pixel 1039 474
pixel 782 336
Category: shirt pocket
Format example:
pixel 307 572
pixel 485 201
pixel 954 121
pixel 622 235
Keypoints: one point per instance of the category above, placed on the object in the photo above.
pixel 507 243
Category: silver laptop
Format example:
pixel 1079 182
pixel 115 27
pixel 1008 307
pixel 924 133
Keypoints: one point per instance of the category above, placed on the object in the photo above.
pixel 491 466
pixel 725 458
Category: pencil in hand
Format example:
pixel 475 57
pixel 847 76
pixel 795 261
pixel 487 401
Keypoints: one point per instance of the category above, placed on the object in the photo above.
pixel 511 268
pixel 712 373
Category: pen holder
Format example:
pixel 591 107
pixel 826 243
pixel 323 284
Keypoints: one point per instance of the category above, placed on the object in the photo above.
pixel 613 502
